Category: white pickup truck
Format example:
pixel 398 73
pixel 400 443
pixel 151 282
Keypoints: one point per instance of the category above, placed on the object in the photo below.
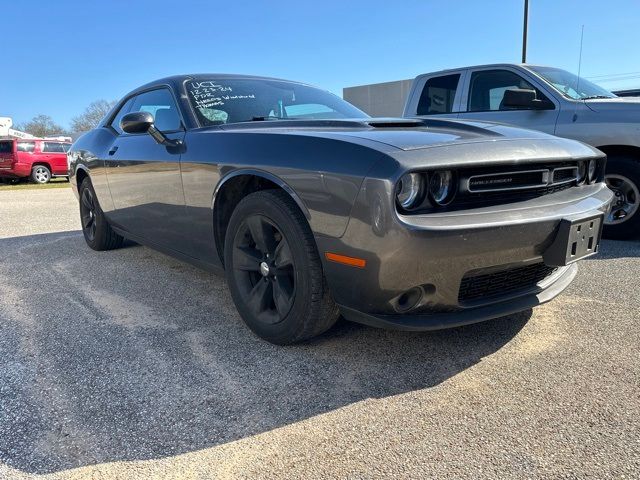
pixel 553 101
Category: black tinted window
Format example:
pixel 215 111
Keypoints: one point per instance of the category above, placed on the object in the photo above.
pixel 438 95
pixel 26 146
pixel 218 101
pixel 52 147
pixel 160 104
pixel 487 89
pixel 6 147
pixel 115 123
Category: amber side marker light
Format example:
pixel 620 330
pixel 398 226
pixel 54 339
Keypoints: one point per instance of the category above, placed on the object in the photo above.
pixel 351 261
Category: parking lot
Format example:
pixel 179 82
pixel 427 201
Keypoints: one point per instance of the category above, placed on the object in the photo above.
pixel 129 363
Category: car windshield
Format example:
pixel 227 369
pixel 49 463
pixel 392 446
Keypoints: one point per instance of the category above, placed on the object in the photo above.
pixel 571 85
pixel 218 101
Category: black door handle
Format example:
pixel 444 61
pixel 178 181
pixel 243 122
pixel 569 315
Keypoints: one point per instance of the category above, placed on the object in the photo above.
pixel 113 150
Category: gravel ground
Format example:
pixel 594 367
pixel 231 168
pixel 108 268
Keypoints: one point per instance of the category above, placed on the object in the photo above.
pixel 131 364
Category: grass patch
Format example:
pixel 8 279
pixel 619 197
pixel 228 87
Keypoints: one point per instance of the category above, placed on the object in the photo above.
pixel 24 185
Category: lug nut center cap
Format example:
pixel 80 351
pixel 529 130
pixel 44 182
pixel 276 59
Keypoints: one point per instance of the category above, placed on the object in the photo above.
pixel 264 269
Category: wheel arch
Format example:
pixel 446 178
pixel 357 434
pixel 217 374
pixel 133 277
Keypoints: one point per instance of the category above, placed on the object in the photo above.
pixel 42 163
pixel 81 173
pixel 236 185
pixel 629 150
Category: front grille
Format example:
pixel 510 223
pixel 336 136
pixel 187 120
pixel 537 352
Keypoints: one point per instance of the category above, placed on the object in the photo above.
pixel 565 174
pixel 495 198
pixel 491 182
pixel 490 285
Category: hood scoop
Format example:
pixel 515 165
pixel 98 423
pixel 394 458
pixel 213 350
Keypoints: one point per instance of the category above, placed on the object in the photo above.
pixel 396 123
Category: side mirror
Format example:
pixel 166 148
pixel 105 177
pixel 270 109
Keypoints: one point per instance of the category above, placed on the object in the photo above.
pixel 524 98
pixel 136 122
pixel 142 122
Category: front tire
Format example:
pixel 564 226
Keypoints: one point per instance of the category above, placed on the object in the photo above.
pixel 96 230
pixel 623 177
pixel 40 174
pixel 274 271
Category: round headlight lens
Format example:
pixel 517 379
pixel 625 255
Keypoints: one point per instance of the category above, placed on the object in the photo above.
pixel 592 171
pixel 442 187
pixel 582 172
pixel 409 190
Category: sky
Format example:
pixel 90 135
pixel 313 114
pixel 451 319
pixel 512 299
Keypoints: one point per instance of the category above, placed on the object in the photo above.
pixel 60 55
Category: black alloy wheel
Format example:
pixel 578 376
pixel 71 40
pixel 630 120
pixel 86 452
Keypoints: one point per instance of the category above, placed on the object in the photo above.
pixel 263 268
pixel 96 230
pixel 88 214
pixel 274 271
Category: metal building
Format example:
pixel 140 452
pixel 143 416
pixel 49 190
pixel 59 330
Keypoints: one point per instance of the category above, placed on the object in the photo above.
pixel 379 99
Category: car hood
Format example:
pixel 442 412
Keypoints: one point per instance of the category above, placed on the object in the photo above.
pixel 398 133
pixel 620 104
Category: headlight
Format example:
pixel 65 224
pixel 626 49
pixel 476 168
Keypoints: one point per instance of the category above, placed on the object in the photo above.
pixel 442 187
pixel 592 171
pixel 582 172
pixel 409 190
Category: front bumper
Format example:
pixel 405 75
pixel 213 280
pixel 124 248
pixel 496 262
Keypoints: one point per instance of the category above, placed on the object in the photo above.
pixel 437 321
pixel 428 256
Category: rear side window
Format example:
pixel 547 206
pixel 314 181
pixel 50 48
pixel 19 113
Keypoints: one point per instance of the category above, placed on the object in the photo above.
pixel 26 146
pixel 160 104
pixel 6 147
pixel 438 95
pixel 53 147
pixel 486 89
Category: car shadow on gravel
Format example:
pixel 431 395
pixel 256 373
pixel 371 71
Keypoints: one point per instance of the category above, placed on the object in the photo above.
pixel 135 355
pixel 610 249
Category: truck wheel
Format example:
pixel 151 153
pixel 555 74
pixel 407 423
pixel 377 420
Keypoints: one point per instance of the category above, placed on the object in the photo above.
pixel 274 271
pixel 97 232
pixel 40 174
pixel 623 177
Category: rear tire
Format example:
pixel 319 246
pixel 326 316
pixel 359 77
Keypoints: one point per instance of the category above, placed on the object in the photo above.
pixel 274 271
pixel 40 174
pixel 96 230
pixel 623 177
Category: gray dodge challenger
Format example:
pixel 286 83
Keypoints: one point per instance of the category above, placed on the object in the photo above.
pixel 313 210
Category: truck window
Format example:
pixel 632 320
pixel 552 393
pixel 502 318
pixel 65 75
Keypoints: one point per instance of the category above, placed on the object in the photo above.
pixel 438 95
pixel 487 87
pixel 26 146
pixel 6 147
pixel 52 147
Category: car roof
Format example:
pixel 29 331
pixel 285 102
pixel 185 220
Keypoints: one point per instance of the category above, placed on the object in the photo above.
pixel 177 80
pixel 488 65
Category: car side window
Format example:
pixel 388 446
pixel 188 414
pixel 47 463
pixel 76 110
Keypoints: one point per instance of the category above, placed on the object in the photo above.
pixel 52 147
pixel 26 146
pixel 487 87
pixel 161 105
pixel 438 95
pixel 115 123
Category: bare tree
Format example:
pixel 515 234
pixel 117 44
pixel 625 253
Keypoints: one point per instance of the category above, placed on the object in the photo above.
pixel 91 116
pixel 41 126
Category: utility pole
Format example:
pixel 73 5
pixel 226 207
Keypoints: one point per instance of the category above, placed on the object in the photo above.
pixel 524 31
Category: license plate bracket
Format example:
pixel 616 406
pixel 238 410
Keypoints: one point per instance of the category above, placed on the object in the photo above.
pixel 576 239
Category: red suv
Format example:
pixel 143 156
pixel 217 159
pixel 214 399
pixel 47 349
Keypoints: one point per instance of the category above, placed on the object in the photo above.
pixel 39 159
